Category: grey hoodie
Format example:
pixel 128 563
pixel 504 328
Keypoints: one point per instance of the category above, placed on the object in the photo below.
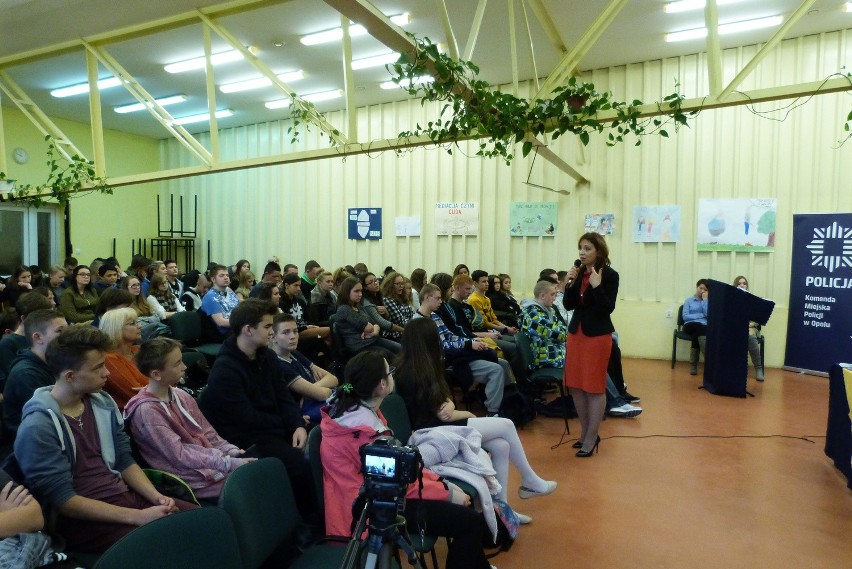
pixel 46 450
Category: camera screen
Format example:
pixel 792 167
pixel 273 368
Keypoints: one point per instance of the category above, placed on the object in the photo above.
pixel 384 466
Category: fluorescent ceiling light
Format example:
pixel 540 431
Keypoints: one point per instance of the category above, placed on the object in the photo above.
pixel 688 5
pixel 849 7
pixel 203 117
pixel 140 106
pixel 201 62
pixel 356 30
pixel 725 29
pixel 260 82
pixel 313 98
pixel 387 85
pixel 81 88
pixel 374 61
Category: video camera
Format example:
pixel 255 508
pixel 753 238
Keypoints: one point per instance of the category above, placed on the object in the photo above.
pixel 386 460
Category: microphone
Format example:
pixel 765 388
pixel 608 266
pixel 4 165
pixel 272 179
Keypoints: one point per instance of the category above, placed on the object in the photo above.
pixel 577 264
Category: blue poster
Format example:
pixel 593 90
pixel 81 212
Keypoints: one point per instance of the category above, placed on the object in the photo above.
pixel 365 223
pixel 819 325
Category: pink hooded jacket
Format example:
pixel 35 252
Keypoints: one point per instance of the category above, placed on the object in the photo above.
pixel 341 472
pixel 175 437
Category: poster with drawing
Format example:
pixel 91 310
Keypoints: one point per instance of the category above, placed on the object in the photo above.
pixel 533 219
pixel 407 226
pixel 603 223
pixel 365 223
pixel 736 224
pixel 457 218
pixel 656 224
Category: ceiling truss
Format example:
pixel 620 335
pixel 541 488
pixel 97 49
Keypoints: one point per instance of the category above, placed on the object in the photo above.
pixel 380 27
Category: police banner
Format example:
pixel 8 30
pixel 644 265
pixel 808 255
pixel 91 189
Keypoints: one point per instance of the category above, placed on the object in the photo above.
pixel 819 325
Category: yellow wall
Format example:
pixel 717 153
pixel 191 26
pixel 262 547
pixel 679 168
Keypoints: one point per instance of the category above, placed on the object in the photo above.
pixel 129 213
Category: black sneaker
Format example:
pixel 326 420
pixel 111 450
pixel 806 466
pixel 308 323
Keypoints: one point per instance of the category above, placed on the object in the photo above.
pixel 630 398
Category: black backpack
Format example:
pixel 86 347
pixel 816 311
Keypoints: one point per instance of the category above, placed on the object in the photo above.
pixel 517 406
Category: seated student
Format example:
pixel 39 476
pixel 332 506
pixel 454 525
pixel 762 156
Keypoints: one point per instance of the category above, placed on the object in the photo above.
pixel 13 343
pixel 753 343
pixel 19 283
pixel 271 274
pixel 79 300
pixel 153 268
pixel 504 305
pixel 172 277
pixel 235 270
pixel 417 280
pixel 219 300
pixel 482 305
pixel 695 322
pixel 323 300
pixel 545 328
pixel 107 277
pixel 374 304
pixel 22 544
pixel 169 428
pixel 309 382
pixel 74 453
pixel 56 280
pixel 248 403
pixel 397 299
pixel 245 282
pixel 163 302
pixel 353 419
pixel 421 384
pixel 314 338
pixel 110 299
pixel 467 354
pixel 312 271
pixel 196 286
pixel 29 371
pixel 354 323
pixel 124 333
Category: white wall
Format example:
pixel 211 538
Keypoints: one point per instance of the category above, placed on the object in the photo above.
pixel 298 211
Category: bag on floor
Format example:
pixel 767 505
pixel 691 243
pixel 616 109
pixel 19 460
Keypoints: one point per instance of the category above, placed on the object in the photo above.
pixel 507 528
pixel 517 407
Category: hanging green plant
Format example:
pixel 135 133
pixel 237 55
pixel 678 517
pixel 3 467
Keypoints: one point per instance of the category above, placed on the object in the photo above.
pixel 500 120
pixel 64 180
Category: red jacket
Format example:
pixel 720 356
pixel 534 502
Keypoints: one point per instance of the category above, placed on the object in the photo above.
pixel 341 473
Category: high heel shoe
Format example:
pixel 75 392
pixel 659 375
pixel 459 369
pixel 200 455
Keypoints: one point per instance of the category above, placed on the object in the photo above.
pixel 578 444
pixel 585 454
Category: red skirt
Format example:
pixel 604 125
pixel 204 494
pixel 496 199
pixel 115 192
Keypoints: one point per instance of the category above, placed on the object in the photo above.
pixel 586 361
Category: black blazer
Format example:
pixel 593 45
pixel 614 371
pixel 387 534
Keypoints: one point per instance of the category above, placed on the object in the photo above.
pixel 596 306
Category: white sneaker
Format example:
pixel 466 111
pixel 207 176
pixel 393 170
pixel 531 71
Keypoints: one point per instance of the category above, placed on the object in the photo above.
pixel 526 493
pixel 626 410
pixel 523 519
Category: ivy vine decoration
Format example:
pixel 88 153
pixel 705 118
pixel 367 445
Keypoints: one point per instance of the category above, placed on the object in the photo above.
pixel 64 179
pixel 499 120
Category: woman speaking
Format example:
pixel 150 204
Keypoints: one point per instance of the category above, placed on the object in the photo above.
pixel 591 295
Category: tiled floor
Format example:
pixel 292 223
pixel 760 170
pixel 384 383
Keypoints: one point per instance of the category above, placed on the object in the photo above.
pixel 696 481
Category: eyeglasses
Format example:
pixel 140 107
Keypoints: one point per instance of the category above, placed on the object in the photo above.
pixel 390 372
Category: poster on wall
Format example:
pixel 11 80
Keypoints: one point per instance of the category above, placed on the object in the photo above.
pixel 365 223
pixel 456 218
pixel 603 223
pixel 819 324
pixel 407 226
pixel 533 219
pixel 656 224
pixel 736 224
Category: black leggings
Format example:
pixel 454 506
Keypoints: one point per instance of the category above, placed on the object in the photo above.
pixel 696 329
pixel 464 526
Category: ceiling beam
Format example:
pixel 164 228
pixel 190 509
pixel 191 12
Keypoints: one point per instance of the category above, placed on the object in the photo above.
pixel 95 116
pixel 143 96
pixel 513 46
pixel 137 30
pixel 767 48
pixel 543 17
pixel 474 29
pixel 532 47
pixel 313 115
pixel 210 85
pixel 452 45
pixel 714 51
pixel 349 79
pixel 553 158
pixel 40 120
pixel 571 60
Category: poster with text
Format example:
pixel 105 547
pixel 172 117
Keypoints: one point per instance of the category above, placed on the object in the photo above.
pixel 656 224
pixel 457 218
pixel 407 226
pixel 365 223
pixel 533 219
pixel 819 324
pixel 602 223
pixel 736 224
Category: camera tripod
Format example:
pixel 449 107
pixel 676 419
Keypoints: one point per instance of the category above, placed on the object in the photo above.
pixel 386 530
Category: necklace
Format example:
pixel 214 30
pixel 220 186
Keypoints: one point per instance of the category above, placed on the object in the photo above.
pixel 79 415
